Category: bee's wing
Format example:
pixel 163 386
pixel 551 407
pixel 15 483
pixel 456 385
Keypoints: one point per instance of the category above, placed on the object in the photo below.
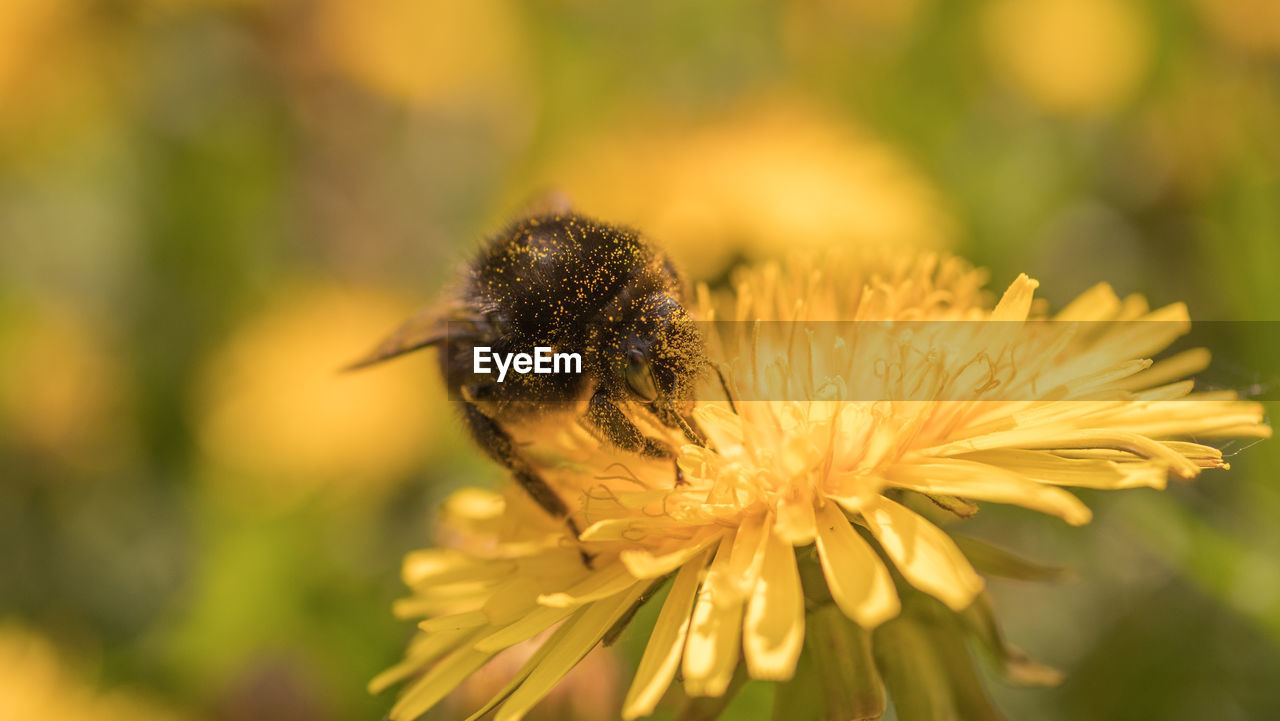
pixel 426 328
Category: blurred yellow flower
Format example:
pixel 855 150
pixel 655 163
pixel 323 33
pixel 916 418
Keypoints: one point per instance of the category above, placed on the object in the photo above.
pixel 769 177
pixel 1252 25
pixel 821 30
pixel 55 69
pixel 864 13
pixel 806 498
pixel 36 685
pixel 426 53
pixel 1075 57
pixel 272 405
pixel 61 391
pixel 186 5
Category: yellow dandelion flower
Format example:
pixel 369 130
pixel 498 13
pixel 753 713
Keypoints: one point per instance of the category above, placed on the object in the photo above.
pixel 804 509
pixel 1074 57
pixel 427 54
pixel 833 31
pixel 270 404
pixel 37 684
pixel 60 69
pixel 773 173
pixel 62 395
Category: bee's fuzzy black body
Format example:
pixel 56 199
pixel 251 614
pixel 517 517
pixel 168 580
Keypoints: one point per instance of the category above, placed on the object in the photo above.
pixel 578 286
pixel 575 285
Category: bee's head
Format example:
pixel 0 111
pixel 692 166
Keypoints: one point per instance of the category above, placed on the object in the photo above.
pixel 662 351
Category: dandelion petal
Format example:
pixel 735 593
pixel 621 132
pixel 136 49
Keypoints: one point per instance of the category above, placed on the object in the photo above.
pixel 795 522
pixel 926 556
pixel 422 651
pixel 858 582
pixel 711 651
pixel 642 563
pixel 602 584
pixel 666 644
pixel 773 633
pixel 585 631
pixel 1016 301
pixel 526 627
pixel 435 684
pixel 992 483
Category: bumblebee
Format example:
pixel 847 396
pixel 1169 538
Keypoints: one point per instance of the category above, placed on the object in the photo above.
pixel 574 285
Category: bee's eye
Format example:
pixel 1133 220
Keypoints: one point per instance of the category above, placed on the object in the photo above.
pixel 639 378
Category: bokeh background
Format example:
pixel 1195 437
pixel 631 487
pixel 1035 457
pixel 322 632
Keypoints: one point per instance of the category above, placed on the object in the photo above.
pixel 206 206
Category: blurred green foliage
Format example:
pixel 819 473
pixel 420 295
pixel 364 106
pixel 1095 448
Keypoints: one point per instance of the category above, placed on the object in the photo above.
pixel 173 172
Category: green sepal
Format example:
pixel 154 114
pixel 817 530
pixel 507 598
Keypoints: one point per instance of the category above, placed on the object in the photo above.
pixel 995 561
pixel 979 619
pixel 707 708
pixel 801 698
pixel 927 666
pixel 850 685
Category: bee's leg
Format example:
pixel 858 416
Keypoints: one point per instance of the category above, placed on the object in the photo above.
pixel 724 386
pixel 693 431
pixel 498 444
pixel 603 415
pixel 697 429
pixel 671 418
